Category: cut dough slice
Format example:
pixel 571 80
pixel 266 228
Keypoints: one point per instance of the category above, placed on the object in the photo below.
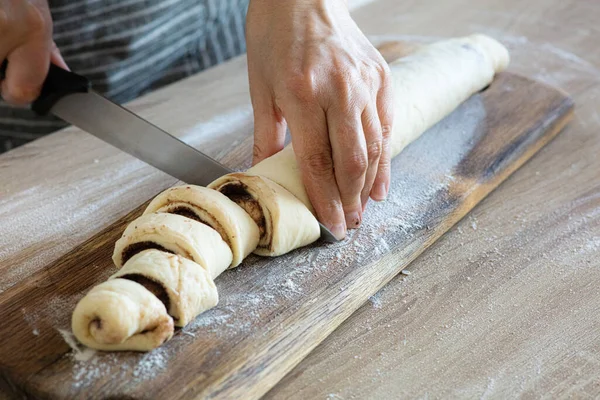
pixel 178 235
pixel 121 315
pixel 284 221
pixel 429 84
pixel 183 286
pixel 212 208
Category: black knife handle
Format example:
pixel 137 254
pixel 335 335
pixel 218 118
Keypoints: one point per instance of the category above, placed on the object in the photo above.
pixel 58 83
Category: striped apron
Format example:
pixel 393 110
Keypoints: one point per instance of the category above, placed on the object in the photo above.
pixel 129 47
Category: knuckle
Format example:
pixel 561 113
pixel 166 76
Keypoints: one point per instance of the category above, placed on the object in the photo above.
pixel 374 150
pixel 330 207
pixel 386 131
pixel 301 84
pixel 383 71
pixel 318 164
pixel 384 165
pixel 355 165
pixel 257 150
pixel 343 87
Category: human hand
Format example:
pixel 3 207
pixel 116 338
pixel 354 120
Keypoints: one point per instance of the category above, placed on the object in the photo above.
pixel 26 42
pixel 312 69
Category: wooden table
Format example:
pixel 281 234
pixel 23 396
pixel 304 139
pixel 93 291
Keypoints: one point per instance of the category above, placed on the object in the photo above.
pixel 505 304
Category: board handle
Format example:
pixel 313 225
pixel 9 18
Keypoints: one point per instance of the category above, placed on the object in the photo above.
pixel 58 84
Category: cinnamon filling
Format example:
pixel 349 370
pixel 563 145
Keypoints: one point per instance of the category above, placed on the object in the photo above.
pixel 97 322
pixel 138 247
pixel 186 212
pixel 191 214
pixel 152 286
pixel 238 193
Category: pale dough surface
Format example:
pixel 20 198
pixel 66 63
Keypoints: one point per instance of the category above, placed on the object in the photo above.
pixel 428 85
pixel 213 208
pixel 180 235
pixel 288 223
pixel 190 289
pixel 113 315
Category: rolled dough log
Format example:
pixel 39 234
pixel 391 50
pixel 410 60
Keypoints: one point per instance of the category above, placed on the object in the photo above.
pixel 428 85
pixel 120 314
pixel 184 287
pixel 175 234
pixel 284 222
pixel 234 225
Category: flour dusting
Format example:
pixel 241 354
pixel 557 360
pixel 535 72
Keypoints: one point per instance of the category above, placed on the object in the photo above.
pixel 80 352
pixel 151 364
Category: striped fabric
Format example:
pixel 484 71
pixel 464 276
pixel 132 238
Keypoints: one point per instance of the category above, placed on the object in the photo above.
pixel 129 47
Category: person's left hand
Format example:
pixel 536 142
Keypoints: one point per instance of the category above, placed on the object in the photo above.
pixel 312 69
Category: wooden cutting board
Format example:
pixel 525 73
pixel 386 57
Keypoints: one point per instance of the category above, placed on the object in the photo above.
pixel 273 312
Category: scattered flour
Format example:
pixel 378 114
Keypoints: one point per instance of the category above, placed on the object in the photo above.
pixel 80 352
pixel 151 364
pixel 291 285
pixel 375 300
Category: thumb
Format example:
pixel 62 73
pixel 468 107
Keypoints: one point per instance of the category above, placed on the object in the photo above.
pixel 269 125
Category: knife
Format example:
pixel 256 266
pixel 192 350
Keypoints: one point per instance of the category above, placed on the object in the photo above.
pixel 70 97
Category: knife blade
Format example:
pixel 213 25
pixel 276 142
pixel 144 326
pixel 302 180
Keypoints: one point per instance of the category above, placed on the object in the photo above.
pixel 138 137
pixel 69 96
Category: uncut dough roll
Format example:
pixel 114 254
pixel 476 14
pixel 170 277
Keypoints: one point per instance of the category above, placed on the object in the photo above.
pixel 178 235
pixel 120 314
pixel 184 287
pixel 284 221
pixel 428 84
pixel 234 225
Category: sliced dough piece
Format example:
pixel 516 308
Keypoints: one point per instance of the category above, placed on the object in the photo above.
pixel 178 235
pixel 188 288
pixel 212 208
pixel 284 221
pixel 121 315
pixel 429 84
pixel 283 169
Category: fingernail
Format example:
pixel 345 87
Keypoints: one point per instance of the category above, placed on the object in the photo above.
pixel 379 192
pixel 338 230
pixel 353 220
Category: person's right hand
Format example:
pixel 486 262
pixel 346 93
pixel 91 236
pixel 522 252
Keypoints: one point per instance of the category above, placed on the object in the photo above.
pixel 26 42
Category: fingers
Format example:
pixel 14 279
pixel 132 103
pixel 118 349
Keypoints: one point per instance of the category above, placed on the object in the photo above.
pixel 269 124
pixel 385 110
pixel 310 139
pixel 26 40
pixel 373 139
pixel 269 130
pixel 350 159
pixel 57 59
pixel 26 72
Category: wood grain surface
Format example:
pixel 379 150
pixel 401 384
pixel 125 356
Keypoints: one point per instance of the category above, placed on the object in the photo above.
pixel 273 312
